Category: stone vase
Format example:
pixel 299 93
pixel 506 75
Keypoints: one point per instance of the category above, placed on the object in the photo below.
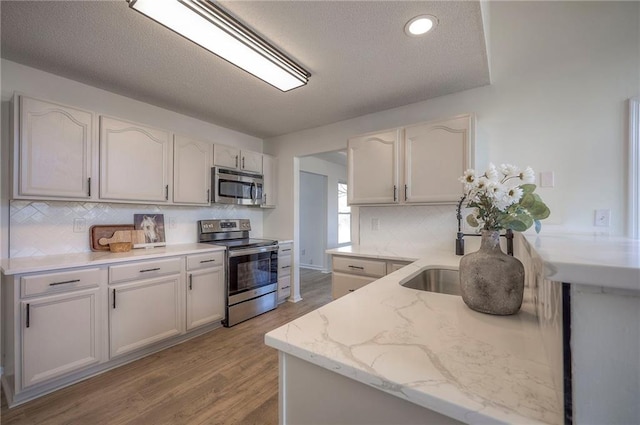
pixel 491 281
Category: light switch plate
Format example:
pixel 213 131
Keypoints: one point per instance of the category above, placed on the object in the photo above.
pixel 547 179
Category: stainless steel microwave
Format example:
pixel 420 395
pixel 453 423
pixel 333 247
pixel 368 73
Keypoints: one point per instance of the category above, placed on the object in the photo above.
pixel 236 187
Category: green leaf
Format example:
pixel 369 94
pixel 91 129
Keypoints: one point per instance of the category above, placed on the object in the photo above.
pixel 520 223
pixel 528 200
pixel 527 188
pixel 539 210
pixel 471 220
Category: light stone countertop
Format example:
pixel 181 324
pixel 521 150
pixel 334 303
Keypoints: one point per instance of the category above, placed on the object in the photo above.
pixel 11 266
pixel 432 350
pixel 599 260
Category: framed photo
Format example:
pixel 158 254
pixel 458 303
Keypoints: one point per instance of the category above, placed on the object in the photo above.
pixel 153 227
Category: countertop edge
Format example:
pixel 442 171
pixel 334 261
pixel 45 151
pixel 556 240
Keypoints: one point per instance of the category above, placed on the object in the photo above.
pixel 14 266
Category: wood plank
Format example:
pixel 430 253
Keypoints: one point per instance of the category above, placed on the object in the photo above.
pixel 227 376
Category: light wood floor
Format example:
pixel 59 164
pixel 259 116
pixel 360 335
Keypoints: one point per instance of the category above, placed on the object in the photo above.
pixel 227 376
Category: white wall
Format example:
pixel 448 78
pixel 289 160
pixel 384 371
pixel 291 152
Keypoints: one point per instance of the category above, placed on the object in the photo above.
pixel 562 72
pixel 335 173
pixel 37 228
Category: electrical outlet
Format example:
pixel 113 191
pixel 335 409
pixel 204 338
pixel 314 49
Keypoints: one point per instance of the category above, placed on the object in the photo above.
pixel 375 224
pixel 172 223
pixel 602 218
pixel 79 225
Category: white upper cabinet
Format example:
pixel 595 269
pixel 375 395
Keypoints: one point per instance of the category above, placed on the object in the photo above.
pixel 233 158
pixel 54 150
pixel 134 161
pixel 372 168
pixel 191 171
pixel 436 155
pixel 270 174
pixel 418 164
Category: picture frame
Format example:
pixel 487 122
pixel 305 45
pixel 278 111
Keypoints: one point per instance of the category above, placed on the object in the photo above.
pixel 153 227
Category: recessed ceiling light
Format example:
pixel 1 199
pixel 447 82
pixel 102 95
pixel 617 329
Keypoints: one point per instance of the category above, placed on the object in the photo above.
pixel 420 25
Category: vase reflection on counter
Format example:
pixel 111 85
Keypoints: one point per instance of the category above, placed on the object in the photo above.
pixel 491 281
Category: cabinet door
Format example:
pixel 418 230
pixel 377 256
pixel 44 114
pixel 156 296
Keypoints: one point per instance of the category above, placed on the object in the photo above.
pixel 372 168
pixel 142 313
pixel 191 171
pixel 226 156
pixel 436 154
pixel 269 191
pixel 56 146
pixel 251 161
pixel 134 161
pixel 343 283
pixel 61 334
pixel 205 297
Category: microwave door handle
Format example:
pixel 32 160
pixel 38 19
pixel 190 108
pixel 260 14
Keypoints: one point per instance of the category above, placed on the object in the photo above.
pixel 254 187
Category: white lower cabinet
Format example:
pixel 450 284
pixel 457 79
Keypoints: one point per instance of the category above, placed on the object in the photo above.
pixel 61 326
pixel 60 334
pixel 351 272
pixel 205 289
pixel 284 270
pixel 143 312
pixel 343 283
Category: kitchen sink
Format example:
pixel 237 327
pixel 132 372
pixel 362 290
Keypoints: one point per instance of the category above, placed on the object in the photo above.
pixel 442 281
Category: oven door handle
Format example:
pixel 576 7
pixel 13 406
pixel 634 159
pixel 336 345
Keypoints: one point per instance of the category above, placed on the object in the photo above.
pixel 249 251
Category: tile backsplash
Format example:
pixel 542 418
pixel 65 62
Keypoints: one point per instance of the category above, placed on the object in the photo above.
pixel 46 228
pixel 415 225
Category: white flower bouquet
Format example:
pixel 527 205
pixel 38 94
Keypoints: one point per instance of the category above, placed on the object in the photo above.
pixel 503 198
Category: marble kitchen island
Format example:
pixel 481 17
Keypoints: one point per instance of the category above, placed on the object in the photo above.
pixel 389 354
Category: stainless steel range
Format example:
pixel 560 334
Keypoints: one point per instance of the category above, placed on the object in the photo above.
pixel 252 268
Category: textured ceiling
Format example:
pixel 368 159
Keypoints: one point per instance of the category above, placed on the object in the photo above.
pixel 358 55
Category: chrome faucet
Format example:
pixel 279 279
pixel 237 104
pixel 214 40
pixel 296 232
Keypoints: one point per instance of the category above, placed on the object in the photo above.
pixel 460 235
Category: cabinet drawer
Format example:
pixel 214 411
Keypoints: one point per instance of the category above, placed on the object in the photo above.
pixel 144 270
pixel 284 265
pixel 285 249
pixel 210 259
pixel 58 282
pixel 359 266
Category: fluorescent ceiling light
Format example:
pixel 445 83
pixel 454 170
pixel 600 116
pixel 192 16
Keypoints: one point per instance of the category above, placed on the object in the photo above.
pixel 420 25
pixel 209 26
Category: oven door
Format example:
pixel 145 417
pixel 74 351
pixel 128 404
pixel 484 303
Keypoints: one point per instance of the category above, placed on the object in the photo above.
pixel 236 187
pixel 252 273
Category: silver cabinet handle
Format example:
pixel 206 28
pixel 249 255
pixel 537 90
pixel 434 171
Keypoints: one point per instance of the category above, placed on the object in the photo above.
pixel 114 298
pixel 405 192
pixel 208 195
pixel 28 321
pixel 356 267
pixel 243 162
pixel 207 261
pixel 236 161
pixel 150 270
pixel 65 282
pixel 190 282
pixel 395 193
pixel 166 192
pixel 89 184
